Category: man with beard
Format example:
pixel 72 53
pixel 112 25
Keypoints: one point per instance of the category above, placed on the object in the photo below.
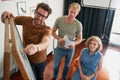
pixel 36 36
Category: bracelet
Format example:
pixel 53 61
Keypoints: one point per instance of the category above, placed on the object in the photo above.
pixel 38 49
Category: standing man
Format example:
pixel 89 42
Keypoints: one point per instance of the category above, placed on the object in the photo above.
pixel 36 36
pixel 67 26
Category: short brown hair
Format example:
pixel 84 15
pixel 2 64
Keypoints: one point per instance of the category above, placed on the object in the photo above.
pixel 44 6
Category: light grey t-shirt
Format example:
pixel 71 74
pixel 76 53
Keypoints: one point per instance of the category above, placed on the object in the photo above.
pixel 69 29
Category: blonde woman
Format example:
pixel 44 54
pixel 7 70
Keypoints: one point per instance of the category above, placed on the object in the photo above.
pixel 90 60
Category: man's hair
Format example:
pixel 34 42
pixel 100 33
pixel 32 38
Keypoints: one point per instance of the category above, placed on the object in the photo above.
pixel 74 4
pixel 44 6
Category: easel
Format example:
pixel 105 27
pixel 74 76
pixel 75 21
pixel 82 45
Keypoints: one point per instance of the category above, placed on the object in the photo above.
pixel 17 52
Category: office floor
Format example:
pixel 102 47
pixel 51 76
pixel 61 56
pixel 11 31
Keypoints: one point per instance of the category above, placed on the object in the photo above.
pixel 112 63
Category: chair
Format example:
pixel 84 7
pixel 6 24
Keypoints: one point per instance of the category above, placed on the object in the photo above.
pixel 103 75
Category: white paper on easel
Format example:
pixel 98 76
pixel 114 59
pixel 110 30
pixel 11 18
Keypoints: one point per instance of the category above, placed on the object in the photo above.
pixel 67 41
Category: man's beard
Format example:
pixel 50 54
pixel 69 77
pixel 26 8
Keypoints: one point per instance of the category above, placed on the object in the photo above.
pixel 37 22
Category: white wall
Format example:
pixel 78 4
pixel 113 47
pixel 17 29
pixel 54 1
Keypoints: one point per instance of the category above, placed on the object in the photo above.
pixel 114 4
pixel 11 5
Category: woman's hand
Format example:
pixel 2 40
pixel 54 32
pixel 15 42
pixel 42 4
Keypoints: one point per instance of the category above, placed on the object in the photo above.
pixel 84 77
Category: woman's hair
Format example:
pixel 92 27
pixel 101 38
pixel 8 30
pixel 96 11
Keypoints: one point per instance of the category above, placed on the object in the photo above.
pixel 97 39
pixel 44 6
pixel 74 4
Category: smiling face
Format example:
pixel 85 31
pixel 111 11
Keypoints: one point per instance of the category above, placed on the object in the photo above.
pixel 93 45
pixel 40 16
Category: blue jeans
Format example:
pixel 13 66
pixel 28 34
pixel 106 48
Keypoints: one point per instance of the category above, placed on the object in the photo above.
pixel 38 69
pixel 59 53
pixel 76 76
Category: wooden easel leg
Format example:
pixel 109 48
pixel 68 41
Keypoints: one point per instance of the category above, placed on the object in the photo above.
pixel 7 52
pixel 6 66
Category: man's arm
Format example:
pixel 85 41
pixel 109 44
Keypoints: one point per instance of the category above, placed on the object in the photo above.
pixel 60 40
pixel 79 39
pixel 44 44
pixel 33 48
pixel 54 33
